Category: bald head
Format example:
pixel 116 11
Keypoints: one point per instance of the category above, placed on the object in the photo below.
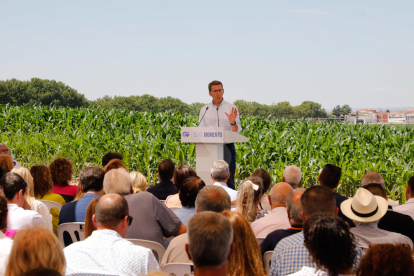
pixel 294 206
pixel 372 178
pixel 279 194
pixel 293 176
pixel 110 210
pixel 213 198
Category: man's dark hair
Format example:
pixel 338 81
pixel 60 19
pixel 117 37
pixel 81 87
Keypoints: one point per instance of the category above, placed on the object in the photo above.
pixel 109 156
pixel 215 82
pixel 91 179
pixel 12 183
pixel 190 189
pixel 3 212
pixel 376 189
pixel 166 169
pixel 110 210
pixel 324 234
pixel 318 199
pixel 266 178
pixel 411 184
pixel 330 176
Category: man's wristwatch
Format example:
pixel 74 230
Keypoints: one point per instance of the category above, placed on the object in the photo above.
pixel 233 124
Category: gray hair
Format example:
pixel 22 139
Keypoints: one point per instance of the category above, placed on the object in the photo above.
pixel 295 207
pixel 280 192
pixel 292 175
pixel 220 170
pixel 213 198
pixel 210 236
pixel 372 177
pixel 117 181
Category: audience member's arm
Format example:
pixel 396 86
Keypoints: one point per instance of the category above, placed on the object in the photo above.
pixel 38 221
pixel 181 230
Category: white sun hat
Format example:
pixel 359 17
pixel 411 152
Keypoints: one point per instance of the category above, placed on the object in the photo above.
pixel 364 206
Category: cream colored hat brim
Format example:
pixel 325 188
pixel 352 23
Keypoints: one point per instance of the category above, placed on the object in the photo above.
pixel 382 209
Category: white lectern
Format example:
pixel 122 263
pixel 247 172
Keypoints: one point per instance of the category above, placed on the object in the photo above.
pixel 209 146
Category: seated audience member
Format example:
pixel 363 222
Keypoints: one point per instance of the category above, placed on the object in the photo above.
pixel 114 164
pixel 35 205
pixel 210 243
pixel 325 234
pixel 366 210
pixel 278 217
pixel 6 163
pixel 293 176
pixel 330 177
pixel 35 248
pixel 90 212
pixel 392 221
pixel 248 198
pixel 106 251
pixel 387 260
pixel 220 174
pixel 374 177
pixel 43 187
pixel 188 194
pixel 152 219
pixel 110 156
pixel 408 207
pixel 244 262
pixel 290 254
pixel 61 170
pixel 165 188
pixel 5 150
pixel 7 232
pixel 264 203
pixel 211 198
pixel 14 188
pixel 91 179
pixel 294 211
pixel 139 183
pixel 5 242
pixel 180 174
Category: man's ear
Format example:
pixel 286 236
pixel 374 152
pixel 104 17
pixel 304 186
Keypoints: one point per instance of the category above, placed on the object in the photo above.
pixel 231 252
pixel 283 179
pixel 287 210
pixel 159 176
pixel 336 211
pixel 187 249
pixel 94 222
pixel 300 183
pixel 211 176
pixel 228 177
pixel 270 200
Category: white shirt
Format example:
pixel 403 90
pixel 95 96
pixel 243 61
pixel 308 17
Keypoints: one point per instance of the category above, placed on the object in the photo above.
pixel 277 219
pixel 43 211
pixel 406 209
pixel 232 193
pixel 105 252
pixel 5 247
pixel 310 271
pixel 18 218
pixel 216 116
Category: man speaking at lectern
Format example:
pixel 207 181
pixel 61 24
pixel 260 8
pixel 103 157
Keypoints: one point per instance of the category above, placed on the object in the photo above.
pixel 220 113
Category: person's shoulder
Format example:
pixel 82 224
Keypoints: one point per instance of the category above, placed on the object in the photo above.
pixel 294 239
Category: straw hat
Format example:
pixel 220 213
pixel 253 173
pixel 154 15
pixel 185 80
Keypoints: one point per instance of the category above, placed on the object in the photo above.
pixel 364 206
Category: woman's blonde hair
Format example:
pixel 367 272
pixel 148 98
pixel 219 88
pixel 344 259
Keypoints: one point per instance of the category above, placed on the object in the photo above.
pixel 248 197
pixel 25 173
pixel 244 262
pixel 6 163
pixel 35 248
pixel 139 183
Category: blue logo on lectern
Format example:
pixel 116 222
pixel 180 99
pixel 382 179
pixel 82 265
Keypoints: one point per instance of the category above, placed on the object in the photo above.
pixel 186 134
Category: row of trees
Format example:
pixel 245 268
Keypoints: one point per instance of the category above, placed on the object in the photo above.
pixel 50 92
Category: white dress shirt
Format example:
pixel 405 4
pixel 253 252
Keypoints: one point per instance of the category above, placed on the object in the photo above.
pixel 216 116
pixel 232 193
pixel 19 218
pixel 42 209
pixel 105 252
pixel 406 209
pixel 5 247
pixel 277 219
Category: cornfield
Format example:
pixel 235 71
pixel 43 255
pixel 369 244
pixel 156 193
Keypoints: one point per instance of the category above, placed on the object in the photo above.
pixel 36 135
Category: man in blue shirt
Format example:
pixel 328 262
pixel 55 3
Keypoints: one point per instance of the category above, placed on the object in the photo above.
pixel 91 180
pixel 220 113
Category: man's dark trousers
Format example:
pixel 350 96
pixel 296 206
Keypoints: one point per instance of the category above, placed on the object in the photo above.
pixel 230 158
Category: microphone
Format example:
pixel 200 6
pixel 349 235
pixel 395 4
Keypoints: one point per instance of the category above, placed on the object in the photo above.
pixel 203 116
pixel 218 119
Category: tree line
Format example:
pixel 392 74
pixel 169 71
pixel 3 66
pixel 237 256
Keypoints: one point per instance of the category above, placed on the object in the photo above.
pixel 50 92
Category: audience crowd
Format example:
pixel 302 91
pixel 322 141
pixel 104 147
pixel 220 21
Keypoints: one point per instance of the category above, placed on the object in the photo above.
pixel 262 228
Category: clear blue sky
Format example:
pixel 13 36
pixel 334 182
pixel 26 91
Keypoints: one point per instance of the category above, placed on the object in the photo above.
pixel 359 53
